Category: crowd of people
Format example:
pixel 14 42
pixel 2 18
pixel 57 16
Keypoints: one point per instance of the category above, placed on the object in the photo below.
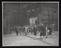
pixel 43 30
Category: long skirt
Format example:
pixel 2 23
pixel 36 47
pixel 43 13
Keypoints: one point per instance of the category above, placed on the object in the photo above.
pixel 42 33
pixel 17 33
pixel 35 32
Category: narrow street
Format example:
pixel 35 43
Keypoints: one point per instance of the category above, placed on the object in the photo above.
pixel 30 40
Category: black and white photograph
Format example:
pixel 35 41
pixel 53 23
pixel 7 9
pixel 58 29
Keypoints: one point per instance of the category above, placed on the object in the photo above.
pixel 30 23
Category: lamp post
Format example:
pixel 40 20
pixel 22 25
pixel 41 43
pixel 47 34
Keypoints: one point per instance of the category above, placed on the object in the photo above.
pixel 48 18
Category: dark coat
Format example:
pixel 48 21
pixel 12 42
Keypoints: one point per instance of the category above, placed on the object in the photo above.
pixel 16 30
pixel 42 30
pixel 50 32
pixel 34 30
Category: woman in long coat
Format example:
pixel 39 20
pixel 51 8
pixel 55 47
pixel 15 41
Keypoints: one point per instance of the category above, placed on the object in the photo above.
pixel 35 30
pixel 16 30
pixel 42 30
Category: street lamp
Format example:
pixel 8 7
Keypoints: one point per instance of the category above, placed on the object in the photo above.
pixel 48 17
